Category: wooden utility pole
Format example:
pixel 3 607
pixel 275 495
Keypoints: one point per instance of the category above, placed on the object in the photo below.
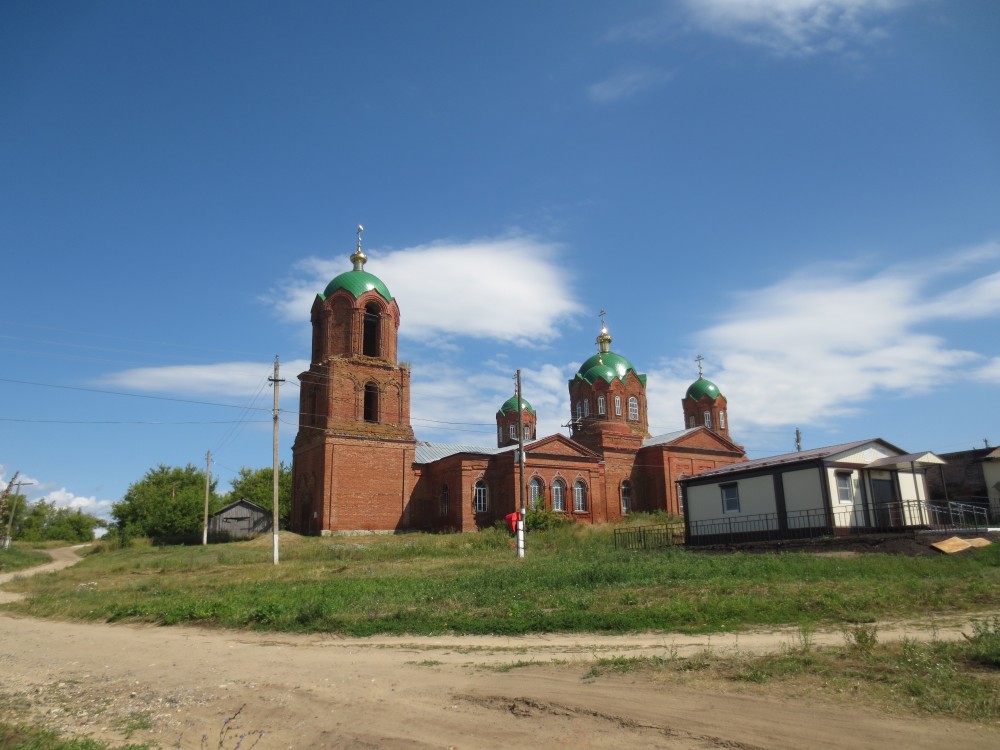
pixel 208 485
pixel 274 500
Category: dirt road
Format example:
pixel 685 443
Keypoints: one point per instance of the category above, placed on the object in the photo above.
pixel 321 691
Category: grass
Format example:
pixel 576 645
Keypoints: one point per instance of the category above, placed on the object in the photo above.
pixel 19 737
pixel 959 680
pixel 21 556
pixel 572 580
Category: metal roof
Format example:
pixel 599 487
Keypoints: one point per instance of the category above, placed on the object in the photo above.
pixel 815 454
pixel 426 453
pixel 668 437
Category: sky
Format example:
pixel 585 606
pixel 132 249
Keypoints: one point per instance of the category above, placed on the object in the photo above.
pixel 804 192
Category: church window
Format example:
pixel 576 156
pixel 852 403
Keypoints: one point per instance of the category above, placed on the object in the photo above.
pixel 513 432
pixel 626 497
pixel 618 406
pixel 443 508
pixel 722 420
pixel 730 498
pixel 579 410
pixel 537 493
pixel 601 405
pixel 691 421
pixel 708 419
pixel 633 408
pixel 482 501
pixel 499 434
pixel 579 497
pixel 372 344
pixel 371 402
pixel 586 407
pixel 559 496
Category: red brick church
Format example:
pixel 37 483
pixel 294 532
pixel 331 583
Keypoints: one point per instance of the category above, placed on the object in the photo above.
pixel 358 467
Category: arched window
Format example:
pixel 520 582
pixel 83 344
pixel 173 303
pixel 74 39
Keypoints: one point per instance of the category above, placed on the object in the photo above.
pixel 579 497
pixel 559 496
pixel 601 405
pixel 537 493
pixel 722 420
pixel 371 402
pixel 513 432
pixel 586 407
pixel 633 409
pixel 626 497
pixel 579 410
pixel 372 344
pixel 482 500
pixel 443 508
pixel 691 421
pixel 708 419
pixel 618 406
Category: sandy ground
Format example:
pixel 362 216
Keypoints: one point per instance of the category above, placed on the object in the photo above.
pixel 171 686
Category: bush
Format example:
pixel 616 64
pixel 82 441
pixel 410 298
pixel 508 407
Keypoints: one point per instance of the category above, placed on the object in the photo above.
pixel 543 519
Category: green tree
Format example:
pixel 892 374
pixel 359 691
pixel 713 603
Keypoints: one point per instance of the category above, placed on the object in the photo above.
pixel 257 486
pixel 44 521
pixel 19 505
pixel 166 505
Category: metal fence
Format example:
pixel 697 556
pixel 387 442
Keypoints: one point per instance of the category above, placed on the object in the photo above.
pixel 649 537
pixel 910 515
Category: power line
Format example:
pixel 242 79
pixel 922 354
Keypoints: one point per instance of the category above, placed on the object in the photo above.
pixel 126 421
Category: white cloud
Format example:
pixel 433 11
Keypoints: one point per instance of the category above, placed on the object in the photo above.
pixel 229 379
pixel 796 28
pixel 628 83
pixel 820 343
pixel 35 489
pixel 505 289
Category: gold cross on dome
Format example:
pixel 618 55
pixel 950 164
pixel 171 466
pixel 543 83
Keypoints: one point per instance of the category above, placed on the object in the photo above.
pixel 699 359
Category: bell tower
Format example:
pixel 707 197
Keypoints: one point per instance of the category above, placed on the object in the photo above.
pixel 705 406
pixel 354 409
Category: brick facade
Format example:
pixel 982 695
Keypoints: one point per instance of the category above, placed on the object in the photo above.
pixel 358 467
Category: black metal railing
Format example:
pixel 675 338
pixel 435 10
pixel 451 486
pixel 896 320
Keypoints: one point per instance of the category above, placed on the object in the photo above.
pixel 649 537
pixel 908 515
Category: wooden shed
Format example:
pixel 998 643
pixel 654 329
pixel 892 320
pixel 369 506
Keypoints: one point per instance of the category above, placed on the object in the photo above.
pixel 240 519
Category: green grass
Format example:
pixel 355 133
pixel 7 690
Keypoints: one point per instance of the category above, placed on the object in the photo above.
pixel 21 556
pixel 18 737
pixel 572 580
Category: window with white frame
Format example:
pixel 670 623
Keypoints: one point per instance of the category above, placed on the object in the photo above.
pixel 845 487
pixel 579 410
pixel 579 497
pixel 691 421
pixel 586 407
pixel 730 498
pixel 722 420
pixel 626 497
pixel 618 406
pixel 443 507
pixel 559 496
pixel 482 500
pixel 708 419
pixel 601 405
pixel 513 432
pixel 536 491
pixel 633 409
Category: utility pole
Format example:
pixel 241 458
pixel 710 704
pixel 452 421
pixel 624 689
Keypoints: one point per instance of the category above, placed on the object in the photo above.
pixel 13 507
pixel 208 485
pixel 520 463
pixel 798 439
pixel 274 500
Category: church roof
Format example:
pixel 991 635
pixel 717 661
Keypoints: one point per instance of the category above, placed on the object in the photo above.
pixel 510 405
pixel 426 453
pixel 702 387
pixel 607 366
pixel 668 437
pixel 357 282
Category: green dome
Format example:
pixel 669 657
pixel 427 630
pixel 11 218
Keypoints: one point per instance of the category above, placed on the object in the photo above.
pixel 702 387
pixel 510 405
pixel 607 365
pixel 357 283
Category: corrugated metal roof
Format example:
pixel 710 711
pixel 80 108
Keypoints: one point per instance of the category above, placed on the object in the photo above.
pixel 426 453
pixel 785 458
pixel 667 437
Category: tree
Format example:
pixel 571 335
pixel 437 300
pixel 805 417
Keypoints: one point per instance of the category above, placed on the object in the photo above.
pixel 166 505
pixel 44 521
pixel 257 486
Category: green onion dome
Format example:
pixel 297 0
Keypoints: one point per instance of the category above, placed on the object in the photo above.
pixel 702 387
pixel 607 366
pixel 357 282
pixel 510 405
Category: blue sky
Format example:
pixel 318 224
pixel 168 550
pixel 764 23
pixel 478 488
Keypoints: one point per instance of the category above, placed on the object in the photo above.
pixel 805 192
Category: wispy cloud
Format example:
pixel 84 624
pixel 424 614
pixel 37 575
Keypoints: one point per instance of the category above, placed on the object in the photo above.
pixel 627 83
pixel 36 489
pixel 504 289
pixel 229 379
pixel 787 28
pixel 821 343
